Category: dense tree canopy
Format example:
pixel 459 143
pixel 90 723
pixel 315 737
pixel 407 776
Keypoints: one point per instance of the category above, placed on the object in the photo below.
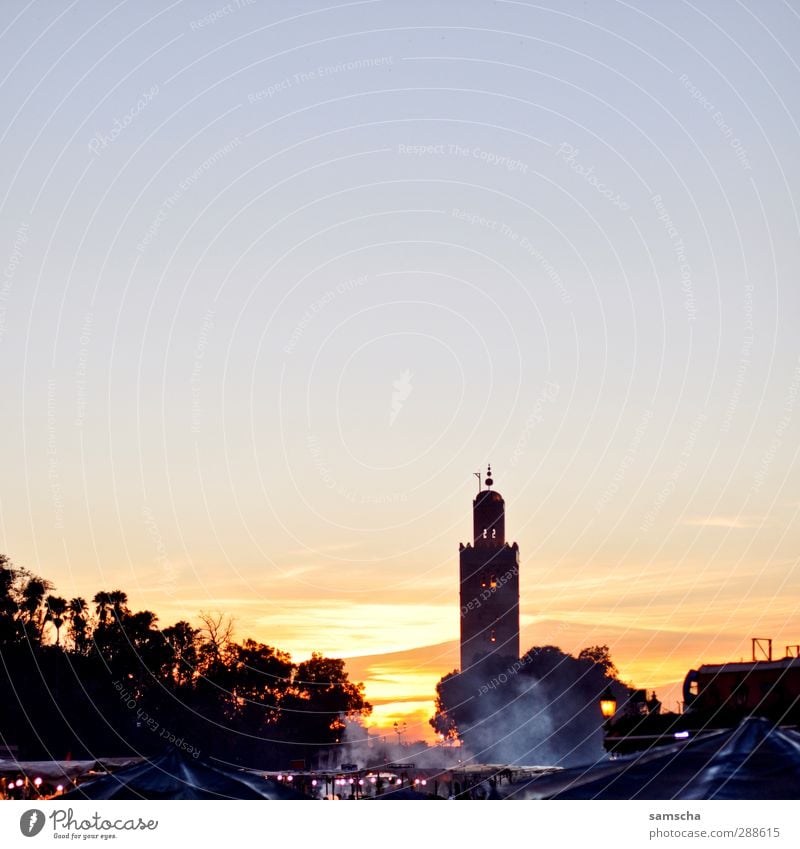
pixel 93 679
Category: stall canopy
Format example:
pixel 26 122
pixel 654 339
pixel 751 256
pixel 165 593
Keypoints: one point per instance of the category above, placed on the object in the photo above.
pixel 753 761
pixel 55 772
pixel 178 776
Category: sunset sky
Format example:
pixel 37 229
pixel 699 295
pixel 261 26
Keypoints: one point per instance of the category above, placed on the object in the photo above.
pixel 278 278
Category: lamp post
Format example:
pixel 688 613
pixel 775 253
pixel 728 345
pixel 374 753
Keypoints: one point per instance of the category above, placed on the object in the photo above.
pixel 608 706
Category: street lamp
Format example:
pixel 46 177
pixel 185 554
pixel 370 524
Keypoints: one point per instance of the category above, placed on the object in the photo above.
pixel 608 704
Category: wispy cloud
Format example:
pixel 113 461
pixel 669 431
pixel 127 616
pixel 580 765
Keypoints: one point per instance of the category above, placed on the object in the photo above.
pixel 726 522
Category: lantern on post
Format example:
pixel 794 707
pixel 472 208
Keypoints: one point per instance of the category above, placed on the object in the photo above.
pixel 608 704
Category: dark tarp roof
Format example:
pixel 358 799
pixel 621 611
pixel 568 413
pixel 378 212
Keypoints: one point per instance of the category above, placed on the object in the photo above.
pixel 178 776
pixel 753 761
pixel 55 771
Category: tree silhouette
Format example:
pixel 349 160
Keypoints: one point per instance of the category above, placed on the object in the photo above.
pixel 121 685
pixel 56 610
pixel 601 656
pixel 77 613
pixel 102 605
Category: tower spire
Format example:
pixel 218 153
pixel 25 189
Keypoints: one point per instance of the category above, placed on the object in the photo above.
pixel 489 480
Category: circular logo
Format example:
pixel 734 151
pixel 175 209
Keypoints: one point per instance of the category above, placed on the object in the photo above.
pixel 31 822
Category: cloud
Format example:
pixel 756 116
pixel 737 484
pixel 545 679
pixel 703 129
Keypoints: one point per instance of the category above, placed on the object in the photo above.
pixel 726 522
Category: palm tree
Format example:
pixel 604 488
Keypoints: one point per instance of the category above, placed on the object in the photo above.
pixel 30 607
pixel 56 608
pixel 77 609
pixel 102 602
pixel 119 603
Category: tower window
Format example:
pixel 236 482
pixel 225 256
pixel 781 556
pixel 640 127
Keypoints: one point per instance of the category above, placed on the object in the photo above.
pixel 493 582
pixel 492 636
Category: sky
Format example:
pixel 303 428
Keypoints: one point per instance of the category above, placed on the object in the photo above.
pixel 278 278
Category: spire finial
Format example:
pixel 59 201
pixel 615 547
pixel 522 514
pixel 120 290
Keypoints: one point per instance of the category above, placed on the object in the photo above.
pixel 489 480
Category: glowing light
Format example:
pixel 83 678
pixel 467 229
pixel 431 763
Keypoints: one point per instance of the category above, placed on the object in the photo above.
pixel 608 704
pixel 313 782
pixel 681 735
pixel 361 781
pixel 424 782
pixel 19 782
pixel 60 788
pixel 290 778
pixel 280 778
pixel 37 782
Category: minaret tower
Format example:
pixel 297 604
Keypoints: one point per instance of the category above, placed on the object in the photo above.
pixel 489 583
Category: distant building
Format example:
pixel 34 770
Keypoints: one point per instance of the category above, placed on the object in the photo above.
pixel 715 696
pixel 489 583
pixel 768 688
